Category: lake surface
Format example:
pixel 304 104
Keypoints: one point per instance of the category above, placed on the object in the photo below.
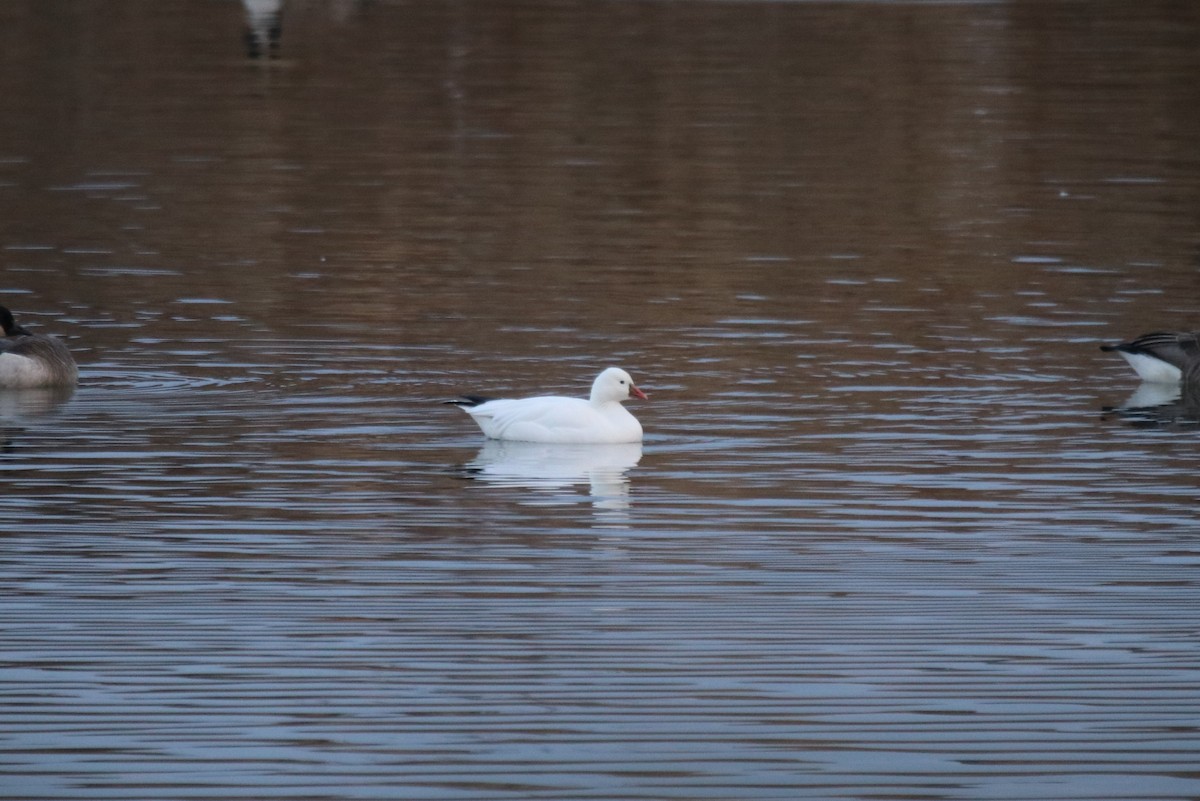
pixel 898 528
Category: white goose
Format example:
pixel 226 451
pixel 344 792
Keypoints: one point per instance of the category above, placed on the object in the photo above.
pixel 1162 357
pixel 32 360
pixel 601 419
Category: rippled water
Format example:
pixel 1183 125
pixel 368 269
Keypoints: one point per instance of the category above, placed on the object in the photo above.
pixel 898 529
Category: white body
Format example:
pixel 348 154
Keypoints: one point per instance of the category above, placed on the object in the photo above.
pixel 601 419
pixel 1153 369
pixel 554 419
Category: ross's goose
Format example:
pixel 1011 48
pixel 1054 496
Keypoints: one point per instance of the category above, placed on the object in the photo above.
pixel 1162 357
pixel 600 419
pixel 32 360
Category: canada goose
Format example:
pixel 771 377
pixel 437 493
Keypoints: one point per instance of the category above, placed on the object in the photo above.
pixel 32 360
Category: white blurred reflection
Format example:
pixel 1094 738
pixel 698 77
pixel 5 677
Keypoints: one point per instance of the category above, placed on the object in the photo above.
pixel 544 467
pixel 1161 405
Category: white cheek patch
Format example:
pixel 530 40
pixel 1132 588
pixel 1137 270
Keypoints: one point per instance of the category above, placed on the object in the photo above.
pixel 1152 369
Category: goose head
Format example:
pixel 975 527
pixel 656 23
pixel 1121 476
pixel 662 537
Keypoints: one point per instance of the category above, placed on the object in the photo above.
pixel 9 324
pixel 614 384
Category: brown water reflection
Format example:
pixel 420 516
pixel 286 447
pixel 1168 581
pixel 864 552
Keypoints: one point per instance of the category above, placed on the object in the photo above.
pixel 898 527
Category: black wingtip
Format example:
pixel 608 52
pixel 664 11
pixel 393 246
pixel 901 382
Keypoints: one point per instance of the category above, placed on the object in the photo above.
pixel 467 401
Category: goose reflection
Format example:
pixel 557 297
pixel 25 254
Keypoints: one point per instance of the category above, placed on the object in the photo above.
pixel 21 406
pixel 264 27
pixel 552 467
pixel 1159 405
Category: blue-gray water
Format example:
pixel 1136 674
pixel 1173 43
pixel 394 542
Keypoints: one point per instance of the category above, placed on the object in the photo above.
pixel 892 532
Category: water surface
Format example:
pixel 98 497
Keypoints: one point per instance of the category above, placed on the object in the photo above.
pixel 898 529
